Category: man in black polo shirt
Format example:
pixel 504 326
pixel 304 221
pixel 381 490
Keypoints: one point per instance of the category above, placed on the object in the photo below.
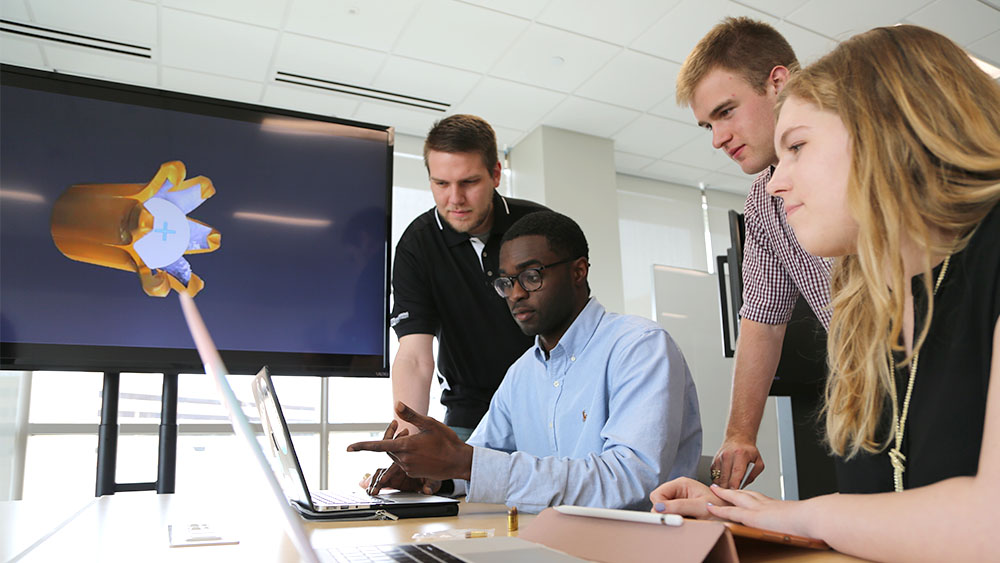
pixel 442 279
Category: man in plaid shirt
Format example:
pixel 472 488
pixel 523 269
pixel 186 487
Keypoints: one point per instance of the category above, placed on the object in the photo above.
pixel 731 81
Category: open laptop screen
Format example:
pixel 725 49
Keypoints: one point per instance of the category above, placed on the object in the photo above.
pixel 283 458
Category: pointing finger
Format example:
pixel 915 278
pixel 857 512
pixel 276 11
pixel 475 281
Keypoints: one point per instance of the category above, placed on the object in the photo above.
pixel 377 446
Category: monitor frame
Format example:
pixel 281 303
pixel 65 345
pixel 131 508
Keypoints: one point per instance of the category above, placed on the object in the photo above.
pixel 66 357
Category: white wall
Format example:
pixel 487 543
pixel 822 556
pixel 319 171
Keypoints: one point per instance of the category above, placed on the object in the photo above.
pixel 687 306
pixel 663 223
pixel 574 174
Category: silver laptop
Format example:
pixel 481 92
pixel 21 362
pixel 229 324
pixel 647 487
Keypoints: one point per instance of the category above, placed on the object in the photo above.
pixel 329 504
pixel 485 550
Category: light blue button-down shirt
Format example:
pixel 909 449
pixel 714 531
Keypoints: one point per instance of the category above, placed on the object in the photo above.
pixel 611 414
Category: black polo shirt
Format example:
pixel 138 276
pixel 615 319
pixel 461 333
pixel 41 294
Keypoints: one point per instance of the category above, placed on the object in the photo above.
pixel 440 288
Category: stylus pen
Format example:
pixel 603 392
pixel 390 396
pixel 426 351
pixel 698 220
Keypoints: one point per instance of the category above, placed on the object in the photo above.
pixel 626 515
pixel 746 476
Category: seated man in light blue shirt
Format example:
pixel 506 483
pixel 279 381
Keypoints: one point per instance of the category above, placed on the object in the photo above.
pixel 600 410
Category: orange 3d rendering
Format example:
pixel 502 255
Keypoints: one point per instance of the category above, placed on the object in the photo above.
pixel 141 228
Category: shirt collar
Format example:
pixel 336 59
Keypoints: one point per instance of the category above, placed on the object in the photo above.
pixel 578 335
pixel 501 222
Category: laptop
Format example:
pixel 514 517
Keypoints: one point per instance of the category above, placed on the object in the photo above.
pixel 484 550
pixel 331 504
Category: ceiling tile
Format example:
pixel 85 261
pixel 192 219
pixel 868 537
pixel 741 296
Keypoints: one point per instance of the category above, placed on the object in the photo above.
pixel 699 152
pixel 508 104
pixel 675 35
pixel 425 80
pixel 669 108
pixel 179 80
pixel 412 122
pixel 845 18
pixel 215 46
pixel 265 13
pixel 987 49
pixel 122 20
pixel 24 52
pixel 633 80
pixel 300 98
pixel 619 22
pixel 808 46
pixel 776 8
pixel 454 34
pixel 86 62
pixel 962 21
pixel 633 163
pixel 654 136
pixel 298 54
pixel 551 58
pixel 507 137
pixel 677 173
pixel 730 183
pixel 15 10
pixel 374 24
pixel 592 118
pixel 524 8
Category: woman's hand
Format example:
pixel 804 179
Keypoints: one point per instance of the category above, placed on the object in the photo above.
pixel 760 511
pixel 686 497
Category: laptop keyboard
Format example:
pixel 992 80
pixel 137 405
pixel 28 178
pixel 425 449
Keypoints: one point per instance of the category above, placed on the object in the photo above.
pixel 386 553
pixel 354 499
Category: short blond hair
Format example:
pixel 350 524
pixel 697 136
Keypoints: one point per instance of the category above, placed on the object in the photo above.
pixel 741 45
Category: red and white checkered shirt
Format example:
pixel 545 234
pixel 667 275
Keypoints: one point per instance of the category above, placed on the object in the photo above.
pixel 775 268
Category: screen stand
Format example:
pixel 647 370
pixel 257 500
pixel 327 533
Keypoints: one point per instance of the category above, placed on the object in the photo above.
pixel 166 467
pixel 107 439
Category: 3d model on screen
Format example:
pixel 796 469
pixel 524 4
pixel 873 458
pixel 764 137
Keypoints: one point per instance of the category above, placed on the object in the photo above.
pixel 139 228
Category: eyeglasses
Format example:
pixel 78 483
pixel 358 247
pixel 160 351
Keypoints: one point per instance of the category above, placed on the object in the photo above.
pixel 530 279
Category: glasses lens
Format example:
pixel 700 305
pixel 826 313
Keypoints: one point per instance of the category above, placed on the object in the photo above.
pixel 531 280
pixel 502 285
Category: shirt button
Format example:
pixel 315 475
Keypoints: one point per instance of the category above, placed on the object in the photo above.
pixel 550 425
pixel 555 384
pixel 572 358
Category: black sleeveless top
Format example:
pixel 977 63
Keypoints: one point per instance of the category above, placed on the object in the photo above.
pixel 944 427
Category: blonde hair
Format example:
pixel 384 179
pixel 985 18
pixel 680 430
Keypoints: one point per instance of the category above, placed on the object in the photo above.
pixel 924 125
pixel 741 45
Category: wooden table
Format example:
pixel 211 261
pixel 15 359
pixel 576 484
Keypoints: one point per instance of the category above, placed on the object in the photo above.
pixel 132 527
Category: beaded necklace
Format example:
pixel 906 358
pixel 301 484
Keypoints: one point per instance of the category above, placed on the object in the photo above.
pixel 896 456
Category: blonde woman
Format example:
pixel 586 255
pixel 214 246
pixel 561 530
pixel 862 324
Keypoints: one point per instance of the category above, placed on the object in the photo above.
pixel 889 159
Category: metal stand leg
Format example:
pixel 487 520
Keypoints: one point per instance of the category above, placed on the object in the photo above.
pixel 107 436
pixel 107 439
pixel 167 467
pixel 786 449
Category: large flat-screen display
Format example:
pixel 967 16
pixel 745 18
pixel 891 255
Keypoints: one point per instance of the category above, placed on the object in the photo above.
pixel 115 198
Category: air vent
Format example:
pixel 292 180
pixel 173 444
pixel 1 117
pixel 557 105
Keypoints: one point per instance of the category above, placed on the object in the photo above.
pixel 361 91
pixel 67 38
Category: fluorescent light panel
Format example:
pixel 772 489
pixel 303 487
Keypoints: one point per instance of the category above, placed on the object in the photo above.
pixel 283 219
